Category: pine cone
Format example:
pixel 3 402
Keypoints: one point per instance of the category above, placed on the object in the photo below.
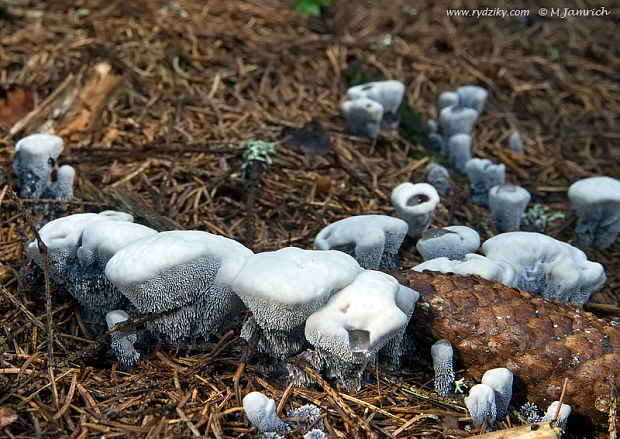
pixel 541 341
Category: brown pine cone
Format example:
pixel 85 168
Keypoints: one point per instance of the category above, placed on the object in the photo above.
pixel 541 341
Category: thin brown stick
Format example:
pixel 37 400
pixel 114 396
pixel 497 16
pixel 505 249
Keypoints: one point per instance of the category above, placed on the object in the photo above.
pixel 557 412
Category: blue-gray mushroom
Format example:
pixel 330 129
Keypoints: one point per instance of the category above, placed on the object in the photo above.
pixel 500 380
pixel 457 119
pixel 415 204
pixel 439 177
pixel 363 117
pixel 452 242
pixel 388 93
pixel 472 96
pixel 459 150
pixel 508 202
pixel 481 405
pixel 122 343
pixel 33 162
pixel 483 175
pixel 442 355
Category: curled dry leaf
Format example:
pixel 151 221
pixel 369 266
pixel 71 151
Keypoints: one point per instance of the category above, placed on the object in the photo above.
pixel 7 416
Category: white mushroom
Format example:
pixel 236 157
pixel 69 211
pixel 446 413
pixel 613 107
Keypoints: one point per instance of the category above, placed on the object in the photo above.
pixel 472 96
pixel 261 411
pixel 363 117
pixel 515 142
pixel 356 322
pixel 597 201
pixel 184 275
pixel 439 177
pixel 415 204
pixel 431 126
pixel 562 416
pixel 457 119
pixel 447 99
pixel 551 268
pixel 443 354
pixel 33 162
pixel 500 380
pixel 483 175
pixel 459 150
pixel 481 405
pixel 487 268
pixel 282 288
pixel 122 342
pixel 452 242
pixel 508 202
pixel 388 93
pixel 373 240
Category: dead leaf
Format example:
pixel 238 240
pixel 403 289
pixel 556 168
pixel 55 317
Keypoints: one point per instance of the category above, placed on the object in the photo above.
pixel 16 101
pixel 7 416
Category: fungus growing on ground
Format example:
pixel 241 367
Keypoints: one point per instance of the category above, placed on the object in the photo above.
pixel 388 93
pixel 562 416
pixel 373 240
pixel 315 433
pixel 439 177
pixel 452 242
pixel 356 322
pixel 500 380
pixel 443 354
pixel 481 405
pixel 487 268
pixel 508 202
pixel 431 126
pixel 33 162
pixel 437 143
pixel 261 411
pixel 415 204
pixel 551 268
pixel 309 414
pixel 515 142
pixel 459 151
pixel 472 96
pixel 63 188
pixel 447 99
pixel 363 117
pixel 483 175
pixel 122 342
pixel 597 201
pixel 457 119
pixel 282 288
pixel 184 275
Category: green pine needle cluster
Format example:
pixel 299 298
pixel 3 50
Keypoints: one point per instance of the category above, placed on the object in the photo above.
pixel 311 7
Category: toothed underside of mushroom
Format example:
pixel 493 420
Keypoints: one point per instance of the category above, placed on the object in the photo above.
pixel 122 345
pixel 540 341
pixel 274 342
pixel 94 291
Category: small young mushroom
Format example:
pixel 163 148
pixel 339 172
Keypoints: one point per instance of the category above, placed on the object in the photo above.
pixel 562 416
pixel 356 322
pixel 486 268
pixel 282 288
pixel 363 116
pixel 481 405
pixel 515 142
pixel 447 99
pixel 261 411
pixel 472 96
pixel 183 275
pixel 122 342
pixel 308 414
pixel 452 242
pixel 483 175
pixel 431 126
pixel 459 151
pixel 443 354
pixel 437 143
pixel 33 162
pixel 373 240
pixel 508 202
pixel 551 268
pixel 415 204
pixel 315 433
pixel 439 177
pixel 500 380
pixel 457 119
pixel 597 201
pixel 388 93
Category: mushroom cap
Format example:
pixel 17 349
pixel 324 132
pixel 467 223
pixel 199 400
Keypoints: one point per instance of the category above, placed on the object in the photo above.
pixel 589 191
pixel 101 240
pixel 552 268
pixel 515 142
pixel 364 109
pixel 361 230
pixel 447 99
pixel 261 411
pixel 487 268
pixel 481 405
pixel 442 351
pixel 565 411
pixel 65 175
pixel 282 288
pixel 500 380
pixel 116 316
pixel 43 146
pixel 405 192
pixel 388 93
pixel 453 242
pixel 472 96
pixel 116 215
pixel 457 119
pixel 361 317
pixel 509 193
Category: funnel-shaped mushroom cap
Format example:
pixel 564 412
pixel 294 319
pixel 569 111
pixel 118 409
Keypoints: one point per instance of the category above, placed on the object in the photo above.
pixel 35 157
pixel 500 380
pixel 508 202
pixel 261 411
pixel 447 99
pixel 363 116
pixel 116 316
pixel 483 175
pixel 415 204
pixel 487 268
pixel 372 239
pixel 452 242
pixel 388 93
pixel 481 405
pixel 551 268
pixel 472 96
pixel 282 288
pixel 457 119
pixel 359 319
pixel 597 201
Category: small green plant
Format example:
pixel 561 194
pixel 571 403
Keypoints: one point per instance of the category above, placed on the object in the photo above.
pixel 538 217
pixel 257 151
pixel 311 7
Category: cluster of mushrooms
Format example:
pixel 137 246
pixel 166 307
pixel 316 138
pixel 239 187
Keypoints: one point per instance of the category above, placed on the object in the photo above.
pixel 331 305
